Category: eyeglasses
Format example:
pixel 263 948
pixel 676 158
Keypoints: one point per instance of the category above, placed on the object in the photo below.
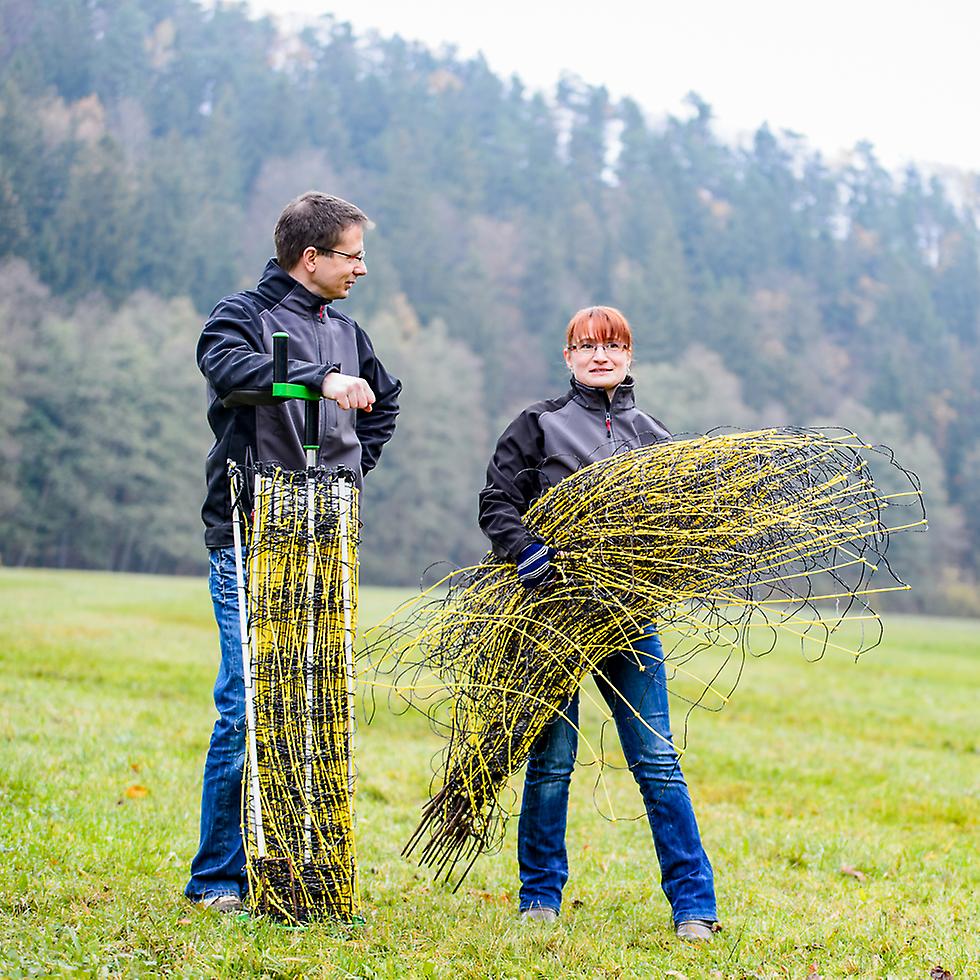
pixel 359 257
pixel 590 347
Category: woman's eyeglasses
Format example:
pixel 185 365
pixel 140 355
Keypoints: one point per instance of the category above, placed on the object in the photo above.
pixel 590 347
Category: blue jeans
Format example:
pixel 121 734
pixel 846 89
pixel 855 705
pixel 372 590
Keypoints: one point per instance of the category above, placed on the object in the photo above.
pixel 219 866
pixel 685 871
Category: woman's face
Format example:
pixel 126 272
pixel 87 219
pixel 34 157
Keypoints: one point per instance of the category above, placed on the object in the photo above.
pixel 598 365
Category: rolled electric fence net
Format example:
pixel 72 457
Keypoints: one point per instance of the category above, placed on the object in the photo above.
pixel 300 592
pixel 722 543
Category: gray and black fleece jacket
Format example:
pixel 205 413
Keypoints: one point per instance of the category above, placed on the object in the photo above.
pixel 235 356
pixel 548 441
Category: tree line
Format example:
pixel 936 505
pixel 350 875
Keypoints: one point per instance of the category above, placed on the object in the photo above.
pixel 147 147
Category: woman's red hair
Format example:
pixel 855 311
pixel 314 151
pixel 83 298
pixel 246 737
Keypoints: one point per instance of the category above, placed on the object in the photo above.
pixel 601 324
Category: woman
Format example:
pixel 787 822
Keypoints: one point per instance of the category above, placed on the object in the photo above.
pixel 548 441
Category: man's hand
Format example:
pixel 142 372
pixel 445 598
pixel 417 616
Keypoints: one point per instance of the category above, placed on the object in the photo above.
pixel 348 392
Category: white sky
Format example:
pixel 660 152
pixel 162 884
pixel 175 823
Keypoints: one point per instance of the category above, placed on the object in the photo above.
pixel 904 74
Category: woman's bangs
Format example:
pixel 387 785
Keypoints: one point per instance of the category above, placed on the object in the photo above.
pixel 602 324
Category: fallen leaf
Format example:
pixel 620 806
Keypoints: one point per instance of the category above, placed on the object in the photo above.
pixel 183 922
pixel 135 766
pixel 136 792
pixel 849 869
pixel 813 973
pixel 674 973
pixel 490 896
pixel 940 973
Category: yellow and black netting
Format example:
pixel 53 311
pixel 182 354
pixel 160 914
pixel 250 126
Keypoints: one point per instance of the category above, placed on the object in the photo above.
pixel 723 542
pixel 298 787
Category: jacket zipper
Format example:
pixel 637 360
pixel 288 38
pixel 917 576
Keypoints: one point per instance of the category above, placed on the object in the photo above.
pixel 321 316
pixel 608 416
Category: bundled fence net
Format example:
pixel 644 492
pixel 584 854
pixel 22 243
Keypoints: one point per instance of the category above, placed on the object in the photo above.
pixel 301 601
pixel 726 543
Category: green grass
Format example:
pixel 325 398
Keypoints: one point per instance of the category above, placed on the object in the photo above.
pixel 105 684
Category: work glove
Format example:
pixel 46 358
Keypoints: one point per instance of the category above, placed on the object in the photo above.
pixel 534 565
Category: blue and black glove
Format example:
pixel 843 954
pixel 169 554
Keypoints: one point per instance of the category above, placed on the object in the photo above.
pixel 534 565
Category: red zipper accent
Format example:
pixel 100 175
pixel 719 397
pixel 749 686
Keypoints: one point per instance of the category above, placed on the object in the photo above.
pixel 608 425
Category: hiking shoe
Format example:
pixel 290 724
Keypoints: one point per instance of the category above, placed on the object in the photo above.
pixel 539 914
pixel 222 903
pixel 695 929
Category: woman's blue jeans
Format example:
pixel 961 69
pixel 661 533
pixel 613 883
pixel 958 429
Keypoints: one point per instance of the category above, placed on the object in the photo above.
pixel 685 872
pixel 219 866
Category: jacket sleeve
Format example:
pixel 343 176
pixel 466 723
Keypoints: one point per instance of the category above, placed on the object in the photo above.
pixel 513 482
pixel 375 428
pixel 231 355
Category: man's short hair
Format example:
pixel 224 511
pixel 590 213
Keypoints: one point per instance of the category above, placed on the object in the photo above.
pixel 313 219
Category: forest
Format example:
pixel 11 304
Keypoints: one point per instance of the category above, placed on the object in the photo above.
pixel 147 147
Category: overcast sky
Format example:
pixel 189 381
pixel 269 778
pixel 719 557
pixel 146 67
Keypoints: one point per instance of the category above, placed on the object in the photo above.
pixel 904 75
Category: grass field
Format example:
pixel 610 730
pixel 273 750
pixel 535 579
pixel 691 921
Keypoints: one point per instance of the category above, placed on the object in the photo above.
pixel 813 768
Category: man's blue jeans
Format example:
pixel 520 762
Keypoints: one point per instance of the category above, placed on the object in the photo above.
pixel 219 866
pixel 686 877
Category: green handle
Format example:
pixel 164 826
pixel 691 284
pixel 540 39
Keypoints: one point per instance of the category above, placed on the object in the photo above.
pixel 281 388
pixel 287 390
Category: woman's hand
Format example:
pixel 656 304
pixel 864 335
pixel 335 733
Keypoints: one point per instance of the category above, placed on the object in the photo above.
pixel 535 565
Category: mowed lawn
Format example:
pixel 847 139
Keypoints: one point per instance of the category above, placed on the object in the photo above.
pixel 838 802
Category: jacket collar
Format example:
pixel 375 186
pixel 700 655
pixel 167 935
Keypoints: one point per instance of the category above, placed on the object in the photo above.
pixel 277 286
pixel 596 400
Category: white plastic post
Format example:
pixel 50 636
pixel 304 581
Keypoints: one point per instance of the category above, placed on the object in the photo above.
pixel 345 494
pixel 310 650
pixel 255 803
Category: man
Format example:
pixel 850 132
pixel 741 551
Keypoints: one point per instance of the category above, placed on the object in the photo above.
pixel 319 257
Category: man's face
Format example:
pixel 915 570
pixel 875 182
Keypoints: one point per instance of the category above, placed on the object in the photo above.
pixel 334 271
pixel 597 366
